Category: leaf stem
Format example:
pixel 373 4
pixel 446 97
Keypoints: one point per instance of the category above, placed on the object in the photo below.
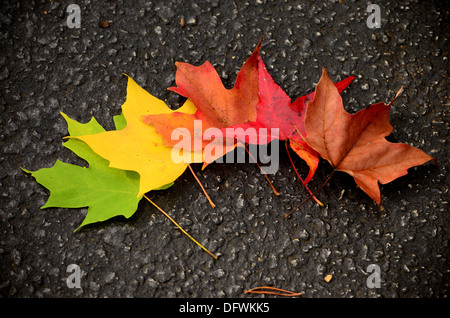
pixel 314 193
pixel 298 175
pixel 173 221
pixel 268 180
pixel 272 291
pixel 204 191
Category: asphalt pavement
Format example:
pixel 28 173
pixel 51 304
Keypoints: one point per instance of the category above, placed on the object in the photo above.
pixel 349 248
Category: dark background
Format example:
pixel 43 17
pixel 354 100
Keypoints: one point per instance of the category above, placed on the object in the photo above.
pixel 46 67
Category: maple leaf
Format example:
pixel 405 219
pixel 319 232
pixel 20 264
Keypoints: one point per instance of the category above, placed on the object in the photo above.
pixel 275 110
pixel 255 101
pixel 355 143
pixel 138 147
pixel 217 107
pixel 108 192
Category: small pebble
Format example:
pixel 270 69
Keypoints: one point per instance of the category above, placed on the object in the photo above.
pixel 104 24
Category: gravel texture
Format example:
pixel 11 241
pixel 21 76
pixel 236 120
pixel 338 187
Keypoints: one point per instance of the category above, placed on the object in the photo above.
pixel 46 67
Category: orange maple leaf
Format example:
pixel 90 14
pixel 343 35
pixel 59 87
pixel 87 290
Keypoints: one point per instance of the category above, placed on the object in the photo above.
pixel 217 107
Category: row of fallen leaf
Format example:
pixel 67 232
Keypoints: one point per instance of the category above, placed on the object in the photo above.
pixel 127 163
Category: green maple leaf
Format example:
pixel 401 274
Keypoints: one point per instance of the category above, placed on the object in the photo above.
pixel 108 192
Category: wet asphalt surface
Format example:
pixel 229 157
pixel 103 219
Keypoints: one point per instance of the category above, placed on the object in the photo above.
pixel 47 67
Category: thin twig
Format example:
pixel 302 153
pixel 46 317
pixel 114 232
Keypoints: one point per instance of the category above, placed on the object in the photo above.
pixel 204 191
pixel 272 291
pixel 268 180
pixel 173 221
pixel 314 193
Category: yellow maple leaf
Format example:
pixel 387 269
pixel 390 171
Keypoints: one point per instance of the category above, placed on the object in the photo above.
pixel 138 147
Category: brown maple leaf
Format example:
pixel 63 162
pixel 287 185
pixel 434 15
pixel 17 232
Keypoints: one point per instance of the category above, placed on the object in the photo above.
pixel 355 143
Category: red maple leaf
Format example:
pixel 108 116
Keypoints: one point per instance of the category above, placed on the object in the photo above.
pixel 275 110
